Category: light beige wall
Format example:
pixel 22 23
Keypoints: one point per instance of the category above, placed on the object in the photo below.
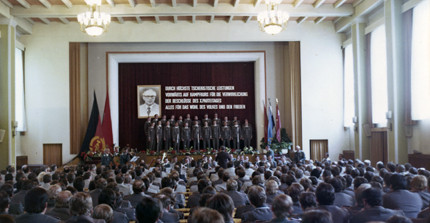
pixel 47 83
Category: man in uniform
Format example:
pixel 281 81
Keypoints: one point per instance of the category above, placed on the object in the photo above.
pixel 226 121
pixel 188 120
pixel 172 120
pixel 217 120
pixel 124 157
pixel 206 134
pixel 235 131
pixel 151 137
pixel 226 135
pixel 196 134
pixel 186 136
pixel 246 134
pixel 216 134
pixel 159 136
pixel 167 135
pixel 206 119
pixel 106 157
pixel 163 120
pixel 176 136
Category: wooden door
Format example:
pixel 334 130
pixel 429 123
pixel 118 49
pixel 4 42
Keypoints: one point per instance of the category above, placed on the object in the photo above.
pixel 53 154
pixel 319 147
pixel 378 146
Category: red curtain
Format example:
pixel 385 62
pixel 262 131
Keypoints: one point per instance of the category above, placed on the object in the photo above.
pixel 238 74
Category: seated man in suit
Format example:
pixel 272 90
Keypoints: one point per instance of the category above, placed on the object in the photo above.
pixel 138 193
pixel 81 208
pixel 373 210
pixel 239 198
pixel 400 198
pixel 35 206
pixel 281 208
pixel 61 209
pixel 325 198
pixel 223 204
pixel 257 197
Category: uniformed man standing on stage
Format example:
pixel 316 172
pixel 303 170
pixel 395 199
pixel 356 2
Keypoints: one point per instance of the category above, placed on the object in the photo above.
pixel 217 120
pixel 106 157
pixel 197 134
pixel 146 126
pixel 163 120
pixel 226 121
pixel 180 122
pixel 216 134
pixel 167 135
pixel 172 120
pixel 206 134
pixel 246 134
pixel 186 136
pixel 206 119
pixel 235 132
pixel 176 136
pixel 226 135
pixel 124 157
pixel 151 137
pixel 188 120
pixel 159 136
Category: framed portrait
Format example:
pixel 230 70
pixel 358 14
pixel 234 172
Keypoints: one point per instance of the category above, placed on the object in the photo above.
pixel 148 101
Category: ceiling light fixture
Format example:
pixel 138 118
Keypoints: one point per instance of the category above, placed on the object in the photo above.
pixel 272 21
pixel 94 22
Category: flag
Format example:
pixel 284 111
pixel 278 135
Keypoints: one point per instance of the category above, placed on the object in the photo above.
pixel 278 122
pixel 271 123
pixel 92 127
pixel 107 124
pixel 265 121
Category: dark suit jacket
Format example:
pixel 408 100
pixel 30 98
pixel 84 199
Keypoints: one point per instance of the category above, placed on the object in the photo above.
pixel 59 213
pixel 240 211
pixel 134 199
pixel 222 158
pixel 377 213
pixel 338 215
pixel 410 203
pixel 283 220
pixel 84 219
pixel 258 214
pixel 271 197
pixel 95 196
pixel 130 212
pixel 425 196
pixel 342 199
pixel 35 218
pixel 239 198
pixel 193 200
pixel 169 217
pixel 17 203
pixel 119 217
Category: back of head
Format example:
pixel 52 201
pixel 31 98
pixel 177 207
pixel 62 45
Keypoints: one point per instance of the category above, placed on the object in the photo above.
pixel 36 200
pixel 223 204
pixel 138 186
pixel 418 183
pixel 359 193
pixel 202 184
pixel 205 215
pixel 148 210
pixel 271 187
pixel 108 196
pixel 398 182
pixel 372 196
pixel 231 185
pixel 399 219
pixel 336 183
pixel 325 194
pixel 282 205
pixel 316 216
pixel 81 204
pixel 63 199
pixel 257 196
pixel 4 201
pixel 307 200
pixel 5 218
pixel 294 191
pixel 104 212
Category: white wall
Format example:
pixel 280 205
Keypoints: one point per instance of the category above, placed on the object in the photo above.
pixel 420 140
pixel 47 67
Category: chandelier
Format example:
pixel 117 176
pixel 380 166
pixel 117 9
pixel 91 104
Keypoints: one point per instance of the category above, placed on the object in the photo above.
pixel 272 21
pixel 94 22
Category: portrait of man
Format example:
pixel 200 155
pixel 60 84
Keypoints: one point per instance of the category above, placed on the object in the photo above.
pixel 148 100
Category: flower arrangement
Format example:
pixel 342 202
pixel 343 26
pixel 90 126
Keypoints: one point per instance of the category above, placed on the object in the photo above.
pixel 90 155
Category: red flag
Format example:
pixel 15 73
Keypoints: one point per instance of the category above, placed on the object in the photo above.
pixel 266 121
pixel 107 124
pixel 97 143
pixel 278 122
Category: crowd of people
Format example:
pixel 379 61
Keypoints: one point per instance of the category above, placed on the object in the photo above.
pixel 217 190
pixel 205 133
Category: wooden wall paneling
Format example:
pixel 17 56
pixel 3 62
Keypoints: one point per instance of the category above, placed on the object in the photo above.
pixel 20 161
pixel 53 154
pixel 74 90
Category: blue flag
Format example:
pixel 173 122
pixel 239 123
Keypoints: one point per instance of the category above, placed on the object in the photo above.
pixel 270 125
